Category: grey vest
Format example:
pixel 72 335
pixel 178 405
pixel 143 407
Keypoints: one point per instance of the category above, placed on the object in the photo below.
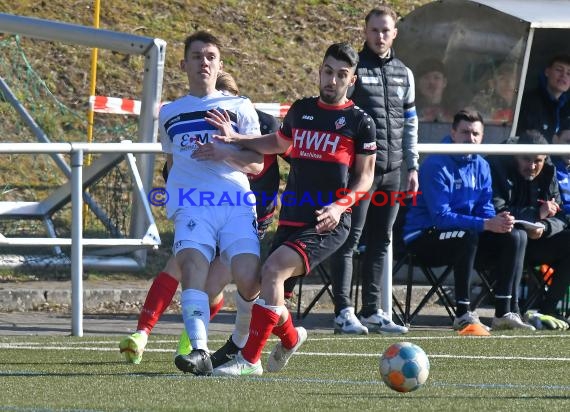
pixel 379 90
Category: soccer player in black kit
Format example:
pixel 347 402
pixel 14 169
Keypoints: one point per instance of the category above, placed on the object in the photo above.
pixel 329 137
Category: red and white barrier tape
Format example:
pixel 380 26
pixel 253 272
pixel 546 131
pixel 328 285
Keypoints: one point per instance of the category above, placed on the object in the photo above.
pixel 117 105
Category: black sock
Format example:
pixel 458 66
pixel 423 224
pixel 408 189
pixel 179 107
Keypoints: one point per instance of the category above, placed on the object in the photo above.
pixel 502 306
pixel 462 308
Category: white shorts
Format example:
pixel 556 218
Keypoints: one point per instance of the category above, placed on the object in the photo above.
pixel 232 228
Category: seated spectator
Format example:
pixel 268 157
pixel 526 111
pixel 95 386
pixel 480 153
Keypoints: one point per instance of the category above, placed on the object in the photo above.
pixel 432 82
pixel 497 101
pixel 562 164
pixel 454 221
pixel 545 107
pixel 525 186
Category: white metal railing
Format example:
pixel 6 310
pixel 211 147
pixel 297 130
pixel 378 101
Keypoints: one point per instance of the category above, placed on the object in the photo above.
pixel 77 151
pixel 153 52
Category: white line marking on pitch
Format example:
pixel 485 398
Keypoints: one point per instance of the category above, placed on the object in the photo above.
pixel 445 337
pixel 340 354
pixel 324 338
pixel 369 355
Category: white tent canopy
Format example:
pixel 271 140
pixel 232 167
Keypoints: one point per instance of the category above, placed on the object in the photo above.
pixel 475 41
pixel 554 14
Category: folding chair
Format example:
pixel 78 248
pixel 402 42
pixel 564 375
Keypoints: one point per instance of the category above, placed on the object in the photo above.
pixel 403 257
pixel 436 280
pixel 358 255
pixel 487 287
pixel 534 284
pixel 323 271
pixel 326 288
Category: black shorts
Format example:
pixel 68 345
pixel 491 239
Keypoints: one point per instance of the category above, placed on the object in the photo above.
pixel 264 221
pixel 313 247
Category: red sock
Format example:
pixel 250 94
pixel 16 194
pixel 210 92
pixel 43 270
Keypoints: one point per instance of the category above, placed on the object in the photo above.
pixel 157 300
pixel 214 309
pixel 287 333
pixel 262 322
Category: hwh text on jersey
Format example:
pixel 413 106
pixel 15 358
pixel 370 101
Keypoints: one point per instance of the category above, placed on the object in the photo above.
pixel 315 141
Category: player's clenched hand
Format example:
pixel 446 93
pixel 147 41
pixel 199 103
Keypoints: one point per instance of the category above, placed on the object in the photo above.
pixel 221 120
pixel 327 218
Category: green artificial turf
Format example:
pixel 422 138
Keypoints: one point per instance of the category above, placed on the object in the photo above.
pixel 512 371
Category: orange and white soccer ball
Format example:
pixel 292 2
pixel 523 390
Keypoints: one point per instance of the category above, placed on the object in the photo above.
pixel 404 367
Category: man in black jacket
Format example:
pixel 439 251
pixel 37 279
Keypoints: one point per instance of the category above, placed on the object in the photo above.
pixel 526 186
pixel 385 90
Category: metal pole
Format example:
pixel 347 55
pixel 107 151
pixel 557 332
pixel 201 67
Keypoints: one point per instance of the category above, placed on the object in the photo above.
pixel 147 132
pixel 92 82
pixel 76 243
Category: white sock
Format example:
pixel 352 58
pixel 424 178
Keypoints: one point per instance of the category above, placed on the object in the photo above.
pixel 276 309
pixel 196 315
pixel 243 318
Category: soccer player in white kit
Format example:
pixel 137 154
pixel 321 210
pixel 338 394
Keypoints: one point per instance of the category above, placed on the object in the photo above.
pixel 210 201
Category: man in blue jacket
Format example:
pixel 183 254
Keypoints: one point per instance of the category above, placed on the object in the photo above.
pixel 454 222
pixel 547 106
pixel 562 164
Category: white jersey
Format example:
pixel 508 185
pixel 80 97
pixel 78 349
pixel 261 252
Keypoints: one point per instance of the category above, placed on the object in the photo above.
pixel 202 182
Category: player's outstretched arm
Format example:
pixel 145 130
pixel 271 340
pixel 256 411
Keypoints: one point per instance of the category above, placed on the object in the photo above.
pixel 267 144
pixel 247 161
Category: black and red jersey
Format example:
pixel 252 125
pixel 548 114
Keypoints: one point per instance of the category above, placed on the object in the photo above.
pixel 265 184
pixel 325 140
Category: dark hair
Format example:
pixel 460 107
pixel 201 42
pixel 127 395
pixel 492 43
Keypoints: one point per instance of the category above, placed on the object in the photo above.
pixel 202 36
pixel 559 58
pixel 468 115
pixel 381 11
pixel 532 137
pixel 343 51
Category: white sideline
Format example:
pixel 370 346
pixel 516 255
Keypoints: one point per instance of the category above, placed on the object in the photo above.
pixel 337 354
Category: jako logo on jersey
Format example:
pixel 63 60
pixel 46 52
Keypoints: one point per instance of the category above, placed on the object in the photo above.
pixel 307 117
pixel 340 123
pixel 318 141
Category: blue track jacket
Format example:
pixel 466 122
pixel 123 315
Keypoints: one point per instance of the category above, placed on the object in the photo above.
pixel 455 193
pixel 563 177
